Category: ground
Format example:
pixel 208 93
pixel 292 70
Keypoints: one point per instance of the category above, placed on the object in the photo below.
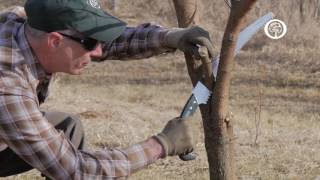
pixel 275 98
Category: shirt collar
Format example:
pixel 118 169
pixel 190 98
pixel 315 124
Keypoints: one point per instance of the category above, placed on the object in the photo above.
pixel 29 55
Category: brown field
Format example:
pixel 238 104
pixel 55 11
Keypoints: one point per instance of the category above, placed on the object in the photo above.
pixel 275 96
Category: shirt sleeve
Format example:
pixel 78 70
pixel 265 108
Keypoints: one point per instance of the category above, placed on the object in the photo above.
pixel 139 42
pixel 26 131
pixel 18 10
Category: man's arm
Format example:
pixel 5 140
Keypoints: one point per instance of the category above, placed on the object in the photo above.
pixel 24 129
pixel 148 40
pixel 139 42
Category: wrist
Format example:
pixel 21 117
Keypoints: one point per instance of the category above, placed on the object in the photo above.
pixel 171 37
pixel 158 147
pixel 162 141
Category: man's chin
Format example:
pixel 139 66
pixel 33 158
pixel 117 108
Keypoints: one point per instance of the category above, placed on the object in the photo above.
pixel 75 72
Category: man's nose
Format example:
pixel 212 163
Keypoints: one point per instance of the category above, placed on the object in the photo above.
pixel 97 52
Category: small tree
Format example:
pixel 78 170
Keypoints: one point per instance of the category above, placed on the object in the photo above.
pixel 218 128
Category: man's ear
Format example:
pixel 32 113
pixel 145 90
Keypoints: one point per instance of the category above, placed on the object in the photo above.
pixel 54 39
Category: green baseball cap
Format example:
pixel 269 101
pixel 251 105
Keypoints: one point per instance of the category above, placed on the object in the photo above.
pixel 84 16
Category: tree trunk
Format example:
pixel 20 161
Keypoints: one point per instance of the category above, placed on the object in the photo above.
pixel 218 129
pixel 186 11
pixel 309 10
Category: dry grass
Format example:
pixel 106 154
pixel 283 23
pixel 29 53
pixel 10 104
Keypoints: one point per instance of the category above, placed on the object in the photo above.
pixel 126 102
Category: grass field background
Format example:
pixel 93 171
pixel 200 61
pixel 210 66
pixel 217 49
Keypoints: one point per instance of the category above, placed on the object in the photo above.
pixel 275 96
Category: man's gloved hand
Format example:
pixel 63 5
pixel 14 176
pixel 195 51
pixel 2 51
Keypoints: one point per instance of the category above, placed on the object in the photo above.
pixel 175 138
pixel 187 39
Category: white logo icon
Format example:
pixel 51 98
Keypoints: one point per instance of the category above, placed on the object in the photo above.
pixel 94 3
pixel 275 29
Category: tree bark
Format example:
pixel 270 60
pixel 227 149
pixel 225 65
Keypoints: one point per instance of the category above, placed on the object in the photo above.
pixel 309 10
pixel 186 11
pixel 218 127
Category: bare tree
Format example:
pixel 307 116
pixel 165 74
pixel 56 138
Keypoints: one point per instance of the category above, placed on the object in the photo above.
pixel 218 128
pixel 309 9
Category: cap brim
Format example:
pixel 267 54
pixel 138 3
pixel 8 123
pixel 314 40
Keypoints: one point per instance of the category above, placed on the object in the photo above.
pixel 103 28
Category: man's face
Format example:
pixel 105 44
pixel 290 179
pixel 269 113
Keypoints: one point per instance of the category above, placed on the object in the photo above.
pixel 70 56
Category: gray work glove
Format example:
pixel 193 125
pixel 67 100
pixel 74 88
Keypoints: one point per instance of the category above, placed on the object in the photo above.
pixel 187 39
pixel 175 138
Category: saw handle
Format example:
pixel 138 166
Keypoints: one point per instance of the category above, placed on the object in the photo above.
pixel 192 104
pixel 189 108
pixel 188 157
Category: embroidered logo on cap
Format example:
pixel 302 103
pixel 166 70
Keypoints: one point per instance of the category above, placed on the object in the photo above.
pixel 94 4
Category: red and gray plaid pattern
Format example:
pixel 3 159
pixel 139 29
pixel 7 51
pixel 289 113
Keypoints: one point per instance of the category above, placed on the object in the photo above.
pixel 25 130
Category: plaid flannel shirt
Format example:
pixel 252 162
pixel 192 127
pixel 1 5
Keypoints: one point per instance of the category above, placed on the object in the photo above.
pixel 24 85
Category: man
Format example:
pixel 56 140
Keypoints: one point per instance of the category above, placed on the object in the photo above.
pixel 49 36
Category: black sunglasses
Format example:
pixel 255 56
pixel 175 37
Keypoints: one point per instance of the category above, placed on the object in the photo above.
pixel 87 43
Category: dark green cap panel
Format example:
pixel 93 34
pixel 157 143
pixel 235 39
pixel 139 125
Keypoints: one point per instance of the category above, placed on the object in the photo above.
pixel 80 15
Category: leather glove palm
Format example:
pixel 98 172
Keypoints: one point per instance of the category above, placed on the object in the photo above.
pixel 175 138
pixel 187 39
